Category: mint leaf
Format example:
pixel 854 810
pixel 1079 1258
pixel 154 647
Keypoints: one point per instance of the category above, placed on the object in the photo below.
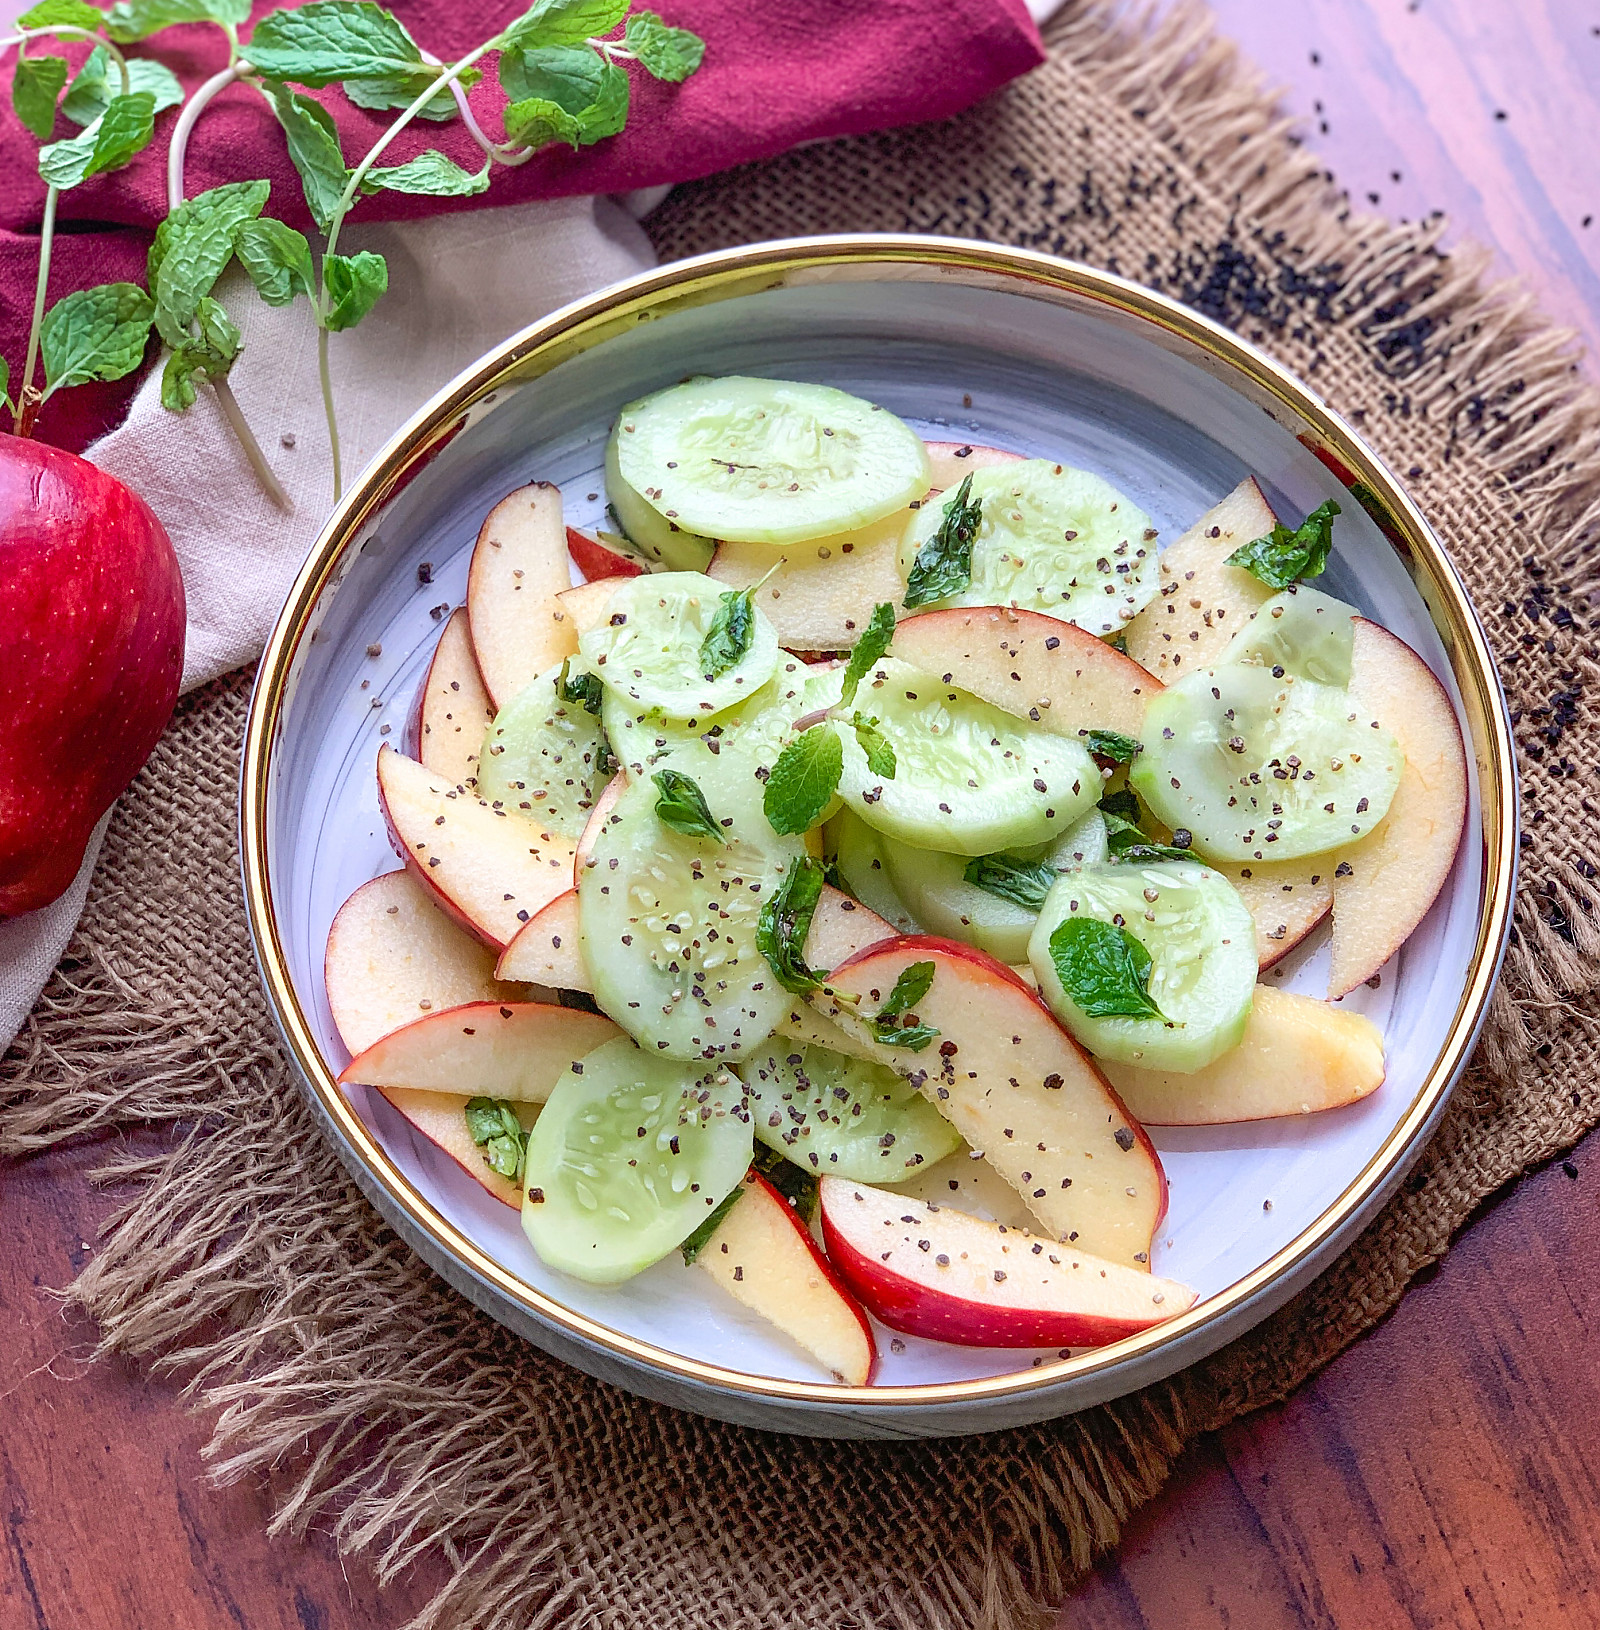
pixel 191 248
pixel 1122 809
pixel 123 130
pixel 97 81
pixel 277 258
pixel 536 123
pixel 1284 557
pixel 383 92
pixel 893 1024
pixel 944 563
pixel 1023 882
pixel 582 689
pixel 211 352
pixel 729 635
pixel 354 284
pixel 62 14
pixel 681 805
pixel 798 1186
pixel 430 175
pixel 785 922
pixel 34 89
pixel 701 1237
pixel 568 75
pixel 313 148
pixel 333 40
pixel 1112 744
pixel 5 381
pixel 492 1124
pixel 869 649
pixel 879 749
pixel 1103 968
pixel 132 20
pixel 96 333
pixel 663 52
pixel 803 781
pixel 564 22
pixel 562 94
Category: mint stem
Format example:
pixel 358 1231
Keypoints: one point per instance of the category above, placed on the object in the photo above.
pixel 239 425
pixel 328 408
pixel 28 399
pixel 193 108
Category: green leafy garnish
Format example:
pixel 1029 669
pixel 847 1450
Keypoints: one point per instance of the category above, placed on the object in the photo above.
pixel 117 136
pixel 663 52
pixel 313 149
pixel 784 923
pixel 944 563
pixel 212 352
pixel 492 1124
pixel 730 633
pixel 1285 557
pixel 34 89
pixel 62 14
pixel 565 22
pixel 879 749
pixel 701 1237
pixel 428 175
pixel 97 81
pixel 803 781
pixel 1125 837
pixel 192 246
pixel 798 1186
pixel 1103 968
pixel 1112 744
pixel 869 648
pixel 132 20
pixel 330 41
pixel 1023 882
pixel 277 258
pixel 354 284
pixel 582 688
pixel 893 1024
pixel 681 805
pixel 96 333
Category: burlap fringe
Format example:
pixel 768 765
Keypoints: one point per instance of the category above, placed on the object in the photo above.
pixel 399 1464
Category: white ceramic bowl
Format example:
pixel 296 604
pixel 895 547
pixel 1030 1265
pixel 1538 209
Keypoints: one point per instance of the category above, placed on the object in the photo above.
pixel 965 341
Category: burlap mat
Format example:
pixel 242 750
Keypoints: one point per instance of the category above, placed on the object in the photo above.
pixel 246 1262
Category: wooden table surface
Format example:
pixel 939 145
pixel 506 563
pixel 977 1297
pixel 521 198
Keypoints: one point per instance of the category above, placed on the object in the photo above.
pixel 1445 1471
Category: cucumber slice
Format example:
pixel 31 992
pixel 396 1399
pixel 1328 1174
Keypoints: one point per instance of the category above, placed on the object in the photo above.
pixel 1051 539
pixel 935 890
pixel 647 647
pixel 828 1112
pixel 667 922
pixel 1264 768
pixel 542 758
pixel 1202 944
pixel 1084 843
pixel 760 723
pixel 767 460
pixel 1303 631
pixel 858 853
pixel 629 1156
pixel 969 778
pixel 647 528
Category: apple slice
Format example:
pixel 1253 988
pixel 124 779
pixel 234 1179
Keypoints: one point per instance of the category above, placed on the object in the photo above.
pixel 762 1255
pixel 841 927
pixel 931 1271
pixel 1203 602
pixel 453 709
pixel 1052 673
pixel 1298 1055
pixel 393 957
pixel 1017 1087
pixel 1384 885
pixel 948 461
pixel 1287 898
pixel 599 814
pixel 545 951
pixel 490 870
pixel 968 1183
pixel 518 563
pixel 441 1118
pixel 512 1050
pixel 582 606
pixel 614 558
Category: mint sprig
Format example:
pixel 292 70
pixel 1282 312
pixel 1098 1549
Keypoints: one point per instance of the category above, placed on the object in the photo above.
pixel 944 563
pixel 869 650
pixel 802 783
pixel 681 805
pixel 1112 744
pixel 1287 556
pixel 895 1023
pixel 785 922
pixel 492 1124
pixel 1023 882
pixel 1103 969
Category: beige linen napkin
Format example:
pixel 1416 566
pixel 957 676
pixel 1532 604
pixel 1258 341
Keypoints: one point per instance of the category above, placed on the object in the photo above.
pixel 458 284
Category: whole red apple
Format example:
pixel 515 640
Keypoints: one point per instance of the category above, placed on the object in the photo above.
pixel 91 652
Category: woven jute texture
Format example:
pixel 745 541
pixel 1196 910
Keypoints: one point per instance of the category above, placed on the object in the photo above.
pixel 243 1263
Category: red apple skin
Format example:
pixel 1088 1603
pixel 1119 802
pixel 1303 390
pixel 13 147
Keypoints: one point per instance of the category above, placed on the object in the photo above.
pixel 91 653
pixel 998 970
pixel 595 560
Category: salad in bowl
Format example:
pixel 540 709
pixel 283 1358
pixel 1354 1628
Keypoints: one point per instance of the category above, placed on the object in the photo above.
pixel 825 873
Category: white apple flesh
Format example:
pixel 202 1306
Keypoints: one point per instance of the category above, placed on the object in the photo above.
pixel 763 1256
pixel 512 1050
pixel 1297 1056
pixel 519 564
pixel 1018 1088
pixel 934 1272
pixel 453 709
pixel 491 871
pixel 546 951
pixel 581 607
pixel 393 956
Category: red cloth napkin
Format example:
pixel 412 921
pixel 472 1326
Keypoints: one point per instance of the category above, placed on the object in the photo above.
pixel 776 73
